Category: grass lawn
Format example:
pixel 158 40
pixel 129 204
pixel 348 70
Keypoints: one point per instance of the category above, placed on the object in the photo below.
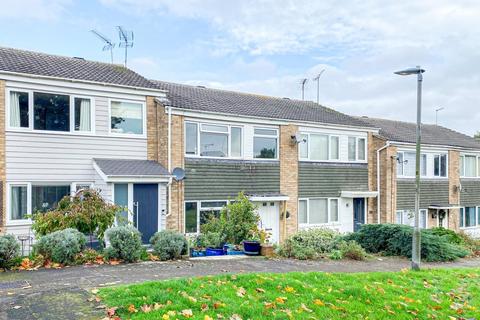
pixel 428 294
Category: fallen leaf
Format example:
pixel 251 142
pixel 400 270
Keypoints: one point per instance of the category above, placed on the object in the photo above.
pixel 114 262
pixel 207 317
pixel 305 308
pixel 111 311
pixel 94 291
pixel 280 300
pixel 235 317
pixel 241 292
pixel 146 308
pixel 318 302
pixel 289 289
pixel 187 313
pixel 260 290
pixel 204 307
pixel 132 309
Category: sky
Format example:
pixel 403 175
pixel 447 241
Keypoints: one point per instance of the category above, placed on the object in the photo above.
pixel 268 46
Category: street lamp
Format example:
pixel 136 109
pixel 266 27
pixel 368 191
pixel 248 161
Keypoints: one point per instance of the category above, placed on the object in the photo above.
pixel 436 114
pixel 416 231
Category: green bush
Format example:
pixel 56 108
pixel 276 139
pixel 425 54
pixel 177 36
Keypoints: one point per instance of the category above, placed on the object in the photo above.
pixel 450 235
pixel 211 240
pixel 470 243
pixel 61 246
pixel 309 244
pixel 169 245
pixel 9 251
pixel 336 255
pixel 125 243
pixel 352 250
pixel 396 240
pixel 87 212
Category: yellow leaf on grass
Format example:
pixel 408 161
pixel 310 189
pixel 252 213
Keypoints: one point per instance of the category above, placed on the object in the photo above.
pixel 319 302
pixel 305 308
pixel 269 305
pixel 187 313
pixel 207 317
pixel 260 290
pixel 235 317
pixel 165 317
pixel 280 300
pixel 289 289
pixel 171 313
pixel 241 292
pixel 132 309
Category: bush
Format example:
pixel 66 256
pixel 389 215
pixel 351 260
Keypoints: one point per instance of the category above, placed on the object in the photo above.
pixel 309 244
pixel 450 235
pixel 9 251
pixel 352 250
pixel 61 246
pixel 211 240
pixel 169 245
pixel 336 255
pixel 87 212
pixel 396 240
pixel 125 243
pixel 470 243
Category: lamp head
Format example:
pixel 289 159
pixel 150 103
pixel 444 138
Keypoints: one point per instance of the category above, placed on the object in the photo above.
pixel 410 71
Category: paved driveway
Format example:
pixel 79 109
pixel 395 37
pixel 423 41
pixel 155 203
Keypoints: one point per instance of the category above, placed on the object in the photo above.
pixel 64 293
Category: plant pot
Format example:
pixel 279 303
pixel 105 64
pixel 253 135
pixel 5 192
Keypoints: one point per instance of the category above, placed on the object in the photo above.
pixel 267 250
pixel 214 252
pixel 251 248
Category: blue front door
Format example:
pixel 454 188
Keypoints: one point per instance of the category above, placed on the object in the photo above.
pixel 358 213
pixel 145 202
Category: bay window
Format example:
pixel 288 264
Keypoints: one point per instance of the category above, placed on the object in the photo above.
pixel 356 149
pixel 19 109
pixel 265 143
pixel 319 147
pixel 213 140
pixel 440 165
pixel 317 211
pixel 126 117
pixel 18 202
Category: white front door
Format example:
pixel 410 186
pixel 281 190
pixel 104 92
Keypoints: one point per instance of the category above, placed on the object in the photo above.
pixel 270 219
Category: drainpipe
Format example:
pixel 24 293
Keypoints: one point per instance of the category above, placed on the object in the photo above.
pixel 378 179
pixel 169 152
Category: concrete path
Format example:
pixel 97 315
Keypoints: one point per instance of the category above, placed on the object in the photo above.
pixel 64 293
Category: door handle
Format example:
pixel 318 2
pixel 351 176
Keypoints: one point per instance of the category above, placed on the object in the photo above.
pixel 135 210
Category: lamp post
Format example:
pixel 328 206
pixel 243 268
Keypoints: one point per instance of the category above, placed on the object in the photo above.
pixel 436 114
pixel 416 232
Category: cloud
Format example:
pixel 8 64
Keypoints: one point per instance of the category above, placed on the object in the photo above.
pixel 42 10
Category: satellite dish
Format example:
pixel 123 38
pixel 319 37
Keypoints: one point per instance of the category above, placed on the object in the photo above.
pixel 178 174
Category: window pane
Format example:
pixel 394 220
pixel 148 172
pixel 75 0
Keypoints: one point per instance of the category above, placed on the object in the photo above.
pixel 191 136
pixel 213 204
pixel 470 166
pixel 18 203
pixel 423 164
pixel 470 213
pixel 318 211
pixel 399 217
pixel 399 164
pixel 462 212
pixel 121 199
pixel 266 132
pixel 265 148
pixel 333 210
pixel 318 147
pixel 334 146
pixel 82 114
pixel 436 166
pixel 19 109
pixel 215 128
pixel 361 149
pixel 303 146
pixel 206 215
pixel 126 117
pixel 352 146
pixel 190 217
pixel 51 112
pixel 213 144
pixel 409 164
pixel 236 136
pixel 443 165
pixel 45 198
pixel 302 211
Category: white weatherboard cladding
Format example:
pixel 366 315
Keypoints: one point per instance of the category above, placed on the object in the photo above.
pixel 472 231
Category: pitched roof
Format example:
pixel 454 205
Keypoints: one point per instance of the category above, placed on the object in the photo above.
pixel 253 105
pixel 431 134
pixel 41 64
pixel 124 167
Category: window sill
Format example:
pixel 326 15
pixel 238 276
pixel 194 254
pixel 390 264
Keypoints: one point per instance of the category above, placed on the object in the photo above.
pixel 189 156
pixel 318 225
pixel 18 223
pixel 470 228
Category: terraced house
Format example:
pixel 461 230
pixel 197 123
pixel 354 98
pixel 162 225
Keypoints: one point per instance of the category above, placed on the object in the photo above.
pixel 303 164
pixel 449 169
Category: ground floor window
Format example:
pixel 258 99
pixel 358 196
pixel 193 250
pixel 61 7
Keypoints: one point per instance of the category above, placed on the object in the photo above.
pixel 316 211
pixel 18 202
pixel 406 217
pixel 198 212
pixel 46 197
pixel 120 197
pixel 469 217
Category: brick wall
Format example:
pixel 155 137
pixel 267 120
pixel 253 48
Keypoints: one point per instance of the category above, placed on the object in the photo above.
pixel 289 179
pixel 152 133
pixel 3 207
pixel 388 184
pixel 374 143
pixel 453 187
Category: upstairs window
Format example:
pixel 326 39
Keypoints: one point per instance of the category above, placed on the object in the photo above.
pixel 356 149
pixel 469 166
pixel 319 147
pixel 19 109
pixel 51 112
pixel 126 117
pixel 213 140
pixel 265 143
pixel 440 165
pixel 406 164
pixel 82 114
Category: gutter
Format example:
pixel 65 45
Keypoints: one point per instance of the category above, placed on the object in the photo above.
pixel 378 179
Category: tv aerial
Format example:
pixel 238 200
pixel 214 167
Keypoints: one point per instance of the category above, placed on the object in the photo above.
pixel 126 40
pixel 108 44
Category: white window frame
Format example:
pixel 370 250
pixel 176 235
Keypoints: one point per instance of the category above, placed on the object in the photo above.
pixel 73 186
pixel 402 212
pixel 329 151
pixel 329 213
pixel 229 139
pixel 462 165
pixel 356 149
pixel 31 128
pixel 477 221
pixel 402 164
pixel 199 209
pixel 14 222
pixel 127 135
pixel 277 136
pixel 446 165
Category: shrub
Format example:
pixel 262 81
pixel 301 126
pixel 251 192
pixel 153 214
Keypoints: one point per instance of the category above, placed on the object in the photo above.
pixel 450 235
pixel 393 239
pixel 169 245
pixel 470 243
pixel 125 243
pixel 87 212
pixel 61 246
pixel 212 240
pixel 309 244
pixel 9 251
pixel 352 250
pixel 336 255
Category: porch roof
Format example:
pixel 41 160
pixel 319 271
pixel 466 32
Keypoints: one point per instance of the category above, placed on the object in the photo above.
pixel 127 170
